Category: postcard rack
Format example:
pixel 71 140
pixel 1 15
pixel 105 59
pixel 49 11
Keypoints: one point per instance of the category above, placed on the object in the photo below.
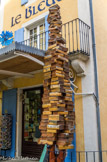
pixel 5 131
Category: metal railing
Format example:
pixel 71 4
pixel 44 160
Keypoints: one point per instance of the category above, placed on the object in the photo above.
pixel 87 156
pixel 81 156
pixel 75 32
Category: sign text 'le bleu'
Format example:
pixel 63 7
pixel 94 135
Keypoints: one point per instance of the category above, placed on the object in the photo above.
pixel 32 10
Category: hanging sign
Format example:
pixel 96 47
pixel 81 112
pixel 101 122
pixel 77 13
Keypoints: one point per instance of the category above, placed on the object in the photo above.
pixel 32 10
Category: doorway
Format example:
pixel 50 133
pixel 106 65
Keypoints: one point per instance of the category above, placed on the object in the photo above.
pixel 31 116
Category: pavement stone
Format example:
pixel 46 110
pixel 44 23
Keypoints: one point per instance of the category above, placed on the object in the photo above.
pixel 18 161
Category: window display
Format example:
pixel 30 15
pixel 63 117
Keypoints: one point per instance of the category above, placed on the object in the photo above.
pixel 32 115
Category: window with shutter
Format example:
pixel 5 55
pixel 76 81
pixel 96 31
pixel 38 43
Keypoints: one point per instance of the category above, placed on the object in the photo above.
pixel 36 33
pixel 37 36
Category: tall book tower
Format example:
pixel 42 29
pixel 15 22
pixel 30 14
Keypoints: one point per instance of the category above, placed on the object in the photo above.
pixel 58 117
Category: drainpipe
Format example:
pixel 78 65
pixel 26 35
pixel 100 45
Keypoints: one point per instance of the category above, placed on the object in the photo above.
pixel 96 80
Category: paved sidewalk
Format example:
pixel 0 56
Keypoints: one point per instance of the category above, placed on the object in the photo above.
pixel 18 161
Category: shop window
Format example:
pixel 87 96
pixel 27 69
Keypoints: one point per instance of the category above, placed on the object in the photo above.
pixel 32 114
pixel 32 110
pixel 37 36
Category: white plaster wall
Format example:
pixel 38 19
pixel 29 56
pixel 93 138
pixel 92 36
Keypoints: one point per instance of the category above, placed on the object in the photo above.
pixel 88 85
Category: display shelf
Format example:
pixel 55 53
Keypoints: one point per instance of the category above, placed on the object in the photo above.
pixel 5 131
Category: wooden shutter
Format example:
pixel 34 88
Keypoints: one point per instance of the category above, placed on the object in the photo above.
pixel 46 30
pixel 23 2
pixel 19 35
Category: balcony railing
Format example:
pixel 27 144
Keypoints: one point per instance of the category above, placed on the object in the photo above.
pixel 75 32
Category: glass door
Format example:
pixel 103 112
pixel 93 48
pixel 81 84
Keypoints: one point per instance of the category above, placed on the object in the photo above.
pixel 32 107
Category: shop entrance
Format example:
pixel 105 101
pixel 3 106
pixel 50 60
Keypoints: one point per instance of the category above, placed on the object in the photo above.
pixel 32 107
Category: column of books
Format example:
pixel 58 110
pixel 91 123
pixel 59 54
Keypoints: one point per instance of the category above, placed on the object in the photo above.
pixel 58 117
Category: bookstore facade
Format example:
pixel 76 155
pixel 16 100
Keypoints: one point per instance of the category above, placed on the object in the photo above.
pixel 23 99
pixel 21 73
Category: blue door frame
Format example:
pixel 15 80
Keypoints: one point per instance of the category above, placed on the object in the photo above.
pixel 9 105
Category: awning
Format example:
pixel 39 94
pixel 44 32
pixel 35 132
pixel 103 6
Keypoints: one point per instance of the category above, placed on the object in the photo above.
pixel 20 60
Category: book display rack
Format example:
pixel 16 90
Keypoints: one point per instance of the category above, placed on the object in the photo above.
pixel 5 132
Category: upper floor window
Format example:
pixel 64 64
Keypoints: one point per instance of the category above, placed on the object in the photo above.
pixel 23 2
pixel 27 2
pixel 37 36
pixel 31 1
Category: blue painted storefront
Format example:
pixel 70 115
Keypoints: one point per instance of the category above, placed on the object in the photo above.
pixel 9 106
